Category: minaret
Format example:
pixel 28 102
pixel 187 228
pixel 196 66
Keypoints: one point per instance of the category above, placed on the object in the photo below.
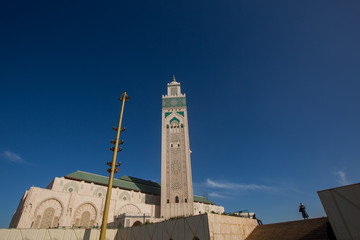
pixel 176 180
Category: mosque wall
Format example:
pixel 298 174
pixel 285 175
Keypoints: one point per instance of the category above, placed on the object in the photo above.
pixel 70 203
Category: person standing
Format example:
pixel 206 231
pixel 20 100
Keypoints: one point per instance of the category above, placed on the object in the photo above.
pixel 303 211
pixel 258 220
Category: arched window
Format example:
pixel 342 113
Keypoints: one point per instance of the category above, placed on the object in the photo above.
pixel 48 217
pixel 85 219
pixel 137 223
pixel 176 199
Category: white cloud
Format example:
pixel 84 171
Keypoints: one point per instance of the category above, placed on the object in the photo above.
pixel 216 195
pixel 342 178
pixel 12 157
pixel 237 186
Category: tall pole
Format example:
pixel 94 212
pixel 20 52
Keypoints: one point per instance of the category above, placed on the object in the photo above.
pixel 124 97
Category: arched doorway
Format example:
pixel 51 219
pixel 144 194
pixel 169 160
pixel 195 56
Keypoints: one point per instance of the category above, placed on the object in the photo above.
pixel 85 215
pixel 137 223
pixel 48 214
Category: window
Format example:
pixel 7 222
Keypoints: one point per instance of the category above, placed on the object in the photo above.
pixel 185 199
pixel 168 201
pixel 177 199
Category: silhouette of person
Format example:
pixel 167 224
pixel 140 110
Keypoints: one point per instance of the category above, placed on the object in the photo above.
pixel 303 211
pixel 258 220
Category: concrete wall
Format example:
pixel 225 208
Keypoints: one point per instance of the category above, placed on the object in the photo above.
pixel 228 227
pixel 51 234
pixel 342 206
pixel 204 227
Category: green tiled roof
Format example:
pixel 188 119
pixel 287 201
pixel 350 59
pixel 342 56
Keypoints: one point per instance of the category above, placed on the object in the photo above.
pixel 127 182
pixel 203 200
pixel 141 181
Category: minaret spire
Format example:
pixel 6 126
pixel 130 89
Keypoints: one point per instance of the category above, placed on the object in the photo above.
pixel 176 180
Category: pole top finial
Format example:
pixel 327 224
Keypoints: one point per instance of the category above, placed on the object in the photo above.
pixel 174 78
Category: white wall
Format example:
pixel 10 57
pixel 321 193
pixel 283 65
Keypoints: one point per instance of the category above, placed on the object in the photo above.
pixel 342 206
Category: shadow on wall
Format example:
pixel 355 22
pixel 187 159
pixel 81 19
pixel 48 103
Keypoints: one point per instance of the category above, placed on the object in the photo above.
pixel 87 234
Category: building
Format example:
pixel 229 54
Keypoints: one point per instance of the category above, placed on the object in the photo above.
pixel 78 199
pixel 176 179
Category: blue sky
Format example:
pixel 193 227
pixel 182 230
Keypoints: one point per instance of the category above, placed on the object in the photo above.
pixel 272 92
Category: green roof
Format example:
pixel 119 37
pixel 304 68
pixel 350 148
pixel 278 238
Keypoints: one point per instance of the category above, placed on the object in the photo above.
pixel 203 200
pixel 125 182
pixel 128 183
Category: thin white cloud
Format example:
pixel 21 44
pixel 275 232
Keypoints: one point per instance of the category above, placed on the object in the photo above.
pixel 12 157
pixel 216 195
pixel 342 178
pixel 237 186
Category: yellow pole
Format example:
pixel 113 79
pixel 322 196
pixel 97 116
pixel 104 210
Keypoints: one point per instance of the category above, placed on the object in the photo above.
pixel 108 194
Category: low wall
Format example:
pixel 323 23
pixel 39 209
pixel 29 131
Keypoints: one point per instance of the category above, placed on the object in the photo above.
pixel 228 227
pixel 204 227
pixel 52 234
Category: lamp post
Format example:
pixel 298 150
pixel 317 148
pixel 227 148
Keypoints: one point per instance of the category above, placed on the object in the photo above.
pixel 124 98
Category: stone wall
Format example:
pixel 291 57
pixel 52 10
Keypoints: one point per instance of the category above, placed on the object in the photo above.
pixel 228 227
pixel 204 227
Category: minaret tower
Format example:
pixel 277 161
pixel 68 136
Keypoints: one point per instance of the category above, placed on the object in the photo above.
pixel 176 180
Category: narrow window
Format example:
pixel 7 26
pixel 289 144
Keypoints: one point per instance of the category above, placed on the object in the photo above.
pixel 177 199
pixel 168 201
pixel 185 199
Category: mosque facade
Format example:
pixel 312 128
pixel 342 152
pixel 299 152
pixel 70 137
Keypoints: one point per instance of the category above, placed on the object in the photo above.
pixel 78 199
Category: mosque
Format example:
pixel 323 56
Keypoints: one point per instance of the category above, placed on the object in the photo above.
pixel 77 199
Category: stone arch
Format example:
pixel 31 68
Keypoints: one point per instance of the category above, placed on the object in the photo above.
pixel 174 119
pixel 125 196
pixel 71 187
pixel 48 213
pixel 137 223
pixel 99 192
pixel 176 195
pixel 129 208
pixel 85 215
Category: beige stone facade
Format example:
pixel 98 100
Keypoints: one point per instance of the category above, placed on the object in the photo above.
pixel 72 203
pixel 79 203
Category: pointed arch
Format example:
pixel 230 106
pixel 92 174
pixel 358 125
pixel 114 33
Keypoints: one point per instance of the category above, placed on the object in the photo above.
pixel 85 215
pixel 48 213
pixel 174 119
